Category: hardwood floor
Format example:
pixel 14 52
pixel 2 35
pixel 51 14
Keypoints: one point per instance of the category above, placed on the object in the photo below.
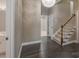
pixel 53 51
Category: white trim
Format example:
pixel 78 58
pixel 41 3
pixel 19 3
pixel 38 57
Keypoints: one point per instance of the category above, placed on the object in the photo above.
pixel 8 17
pixel 10 22
pixel 12 28
pixel 29 43
pixel 74 41
pixel 56 33
pixel 20 51
pixel 53 36
pixel 56 41
pixel 25 44
pixel 77 20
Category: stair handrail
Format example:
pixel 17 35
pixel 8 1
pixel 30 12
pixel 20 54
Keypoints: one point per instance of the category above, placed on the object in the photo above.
pixel 62 27
pixel 69 20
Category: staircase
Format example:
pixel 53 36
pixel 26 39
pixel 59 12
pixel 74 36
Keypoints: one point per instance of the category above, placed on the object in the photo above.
pixel 68 32
pixel 64 35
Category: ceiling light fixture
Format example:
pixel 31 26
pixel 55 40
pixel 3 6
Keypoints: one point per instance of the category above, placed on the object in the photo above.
pixel 48 3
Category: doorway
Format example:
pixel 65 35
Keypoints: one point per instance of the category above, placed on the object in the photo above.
pixel 2 29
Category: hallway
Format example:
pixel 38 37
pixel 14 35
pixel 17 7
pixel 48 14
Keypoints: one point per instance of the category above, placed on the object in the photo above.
pixel 53 51
pixel 36 30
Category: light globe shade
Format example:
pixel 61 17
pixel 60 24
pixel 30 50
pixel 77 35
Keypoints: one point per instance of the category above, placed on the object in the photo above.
pixel 48 3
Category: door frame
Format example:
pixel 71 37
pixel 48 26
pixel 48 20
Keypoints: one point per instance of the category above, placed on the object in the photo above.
pixel 77 25
pixel 9 26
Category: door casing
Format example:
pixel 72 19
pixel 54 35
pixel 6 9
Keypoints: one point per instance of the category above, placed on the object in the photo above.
pixel 10 21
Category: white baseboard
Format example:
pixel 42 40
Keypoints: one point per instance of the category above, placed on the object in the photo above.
pixel 56 41
pixel 74 41
pixel 25 44
pixel 55 33
pixel 77 41
pixel 20 51
pixel 29 43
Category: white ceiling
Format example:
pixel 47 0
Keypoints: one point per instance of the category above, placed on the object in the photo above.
pixel 2 4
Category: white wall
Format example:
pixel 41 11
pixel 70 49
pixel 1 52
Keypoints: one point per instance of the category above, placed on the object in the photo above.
pixel 31 20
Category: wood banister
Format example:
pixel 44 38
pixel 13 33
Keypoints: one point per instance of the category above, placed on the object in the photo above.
pixel 62 27
pixel 69 20
pixel 61 35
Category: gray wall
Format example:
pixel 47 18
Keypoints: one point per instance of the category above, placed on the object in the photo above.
pixel 18 27
pixel 31 20
pixel 2 20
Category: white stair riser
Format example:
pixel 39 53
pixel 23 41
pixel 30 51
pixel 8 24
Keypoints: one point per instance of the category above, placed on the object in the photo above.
pixel 66 30
pixel 59 39
pixel 68 36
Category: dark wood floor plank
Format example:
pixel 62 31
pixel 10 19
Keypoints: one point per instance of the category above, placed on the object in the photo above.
pixel 53 51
